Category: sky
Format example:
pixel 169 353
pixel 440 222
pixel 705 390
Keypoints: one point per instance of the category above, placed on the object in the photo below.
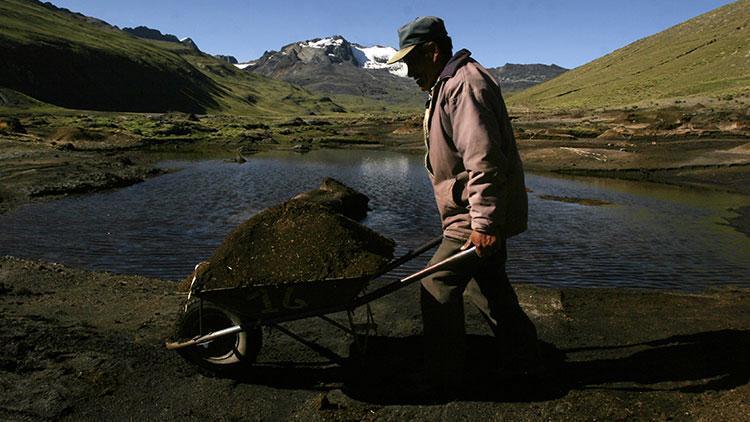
pixel 568 33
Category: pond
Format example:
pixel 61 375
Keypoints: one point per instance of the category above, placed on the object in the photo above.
pixel 651 236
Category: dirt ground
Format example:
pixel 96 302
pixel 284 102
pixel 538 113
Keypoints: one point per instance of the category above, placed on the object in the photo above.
pixel 83 345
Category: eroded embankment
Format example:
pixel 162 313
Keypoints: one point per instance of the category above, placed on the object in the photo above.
pixel 47 155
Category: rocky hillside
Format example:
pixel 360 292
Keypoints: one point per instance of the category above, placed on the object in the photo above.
pixel 517 77
pixel 74 61
pixel 228 59
pixel 704 57
pixel 335 66
pixel 151 34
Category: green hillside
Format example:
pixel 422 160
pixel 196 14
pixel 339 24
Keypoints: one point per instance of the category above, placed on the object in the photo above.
pixel 707 56
pixel 73 61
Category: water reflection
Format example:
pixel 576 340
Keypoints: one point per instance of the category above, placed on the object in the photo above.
pixel 653 235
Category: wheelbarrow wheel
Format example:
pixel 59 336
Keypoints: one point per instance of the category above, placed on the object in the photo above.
pixel 226 355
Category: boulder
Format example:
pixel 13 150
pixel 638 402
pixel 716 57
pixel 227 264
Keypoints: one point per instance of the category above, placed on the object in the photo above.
pixel 338 198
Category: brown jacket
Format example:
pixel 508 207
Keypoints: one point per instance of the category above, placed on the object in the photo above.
pixel 472 157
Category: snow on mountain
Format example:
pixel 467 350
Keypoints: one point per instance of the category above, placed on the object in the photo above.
pixel 340 50
pixel 375 57
pixel 323 43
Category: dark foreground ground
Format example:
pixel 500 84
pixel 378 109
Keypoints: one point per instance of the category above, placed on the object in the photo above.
pixel 82 345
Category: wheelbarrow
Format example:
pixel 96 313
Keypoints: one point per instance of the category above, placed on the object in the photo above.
pixel 220 329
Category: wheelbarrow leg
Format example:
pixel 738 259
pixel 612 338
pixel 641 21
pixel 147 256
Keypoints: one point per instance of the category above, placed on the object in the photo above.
pixel 363 330
pixel 323 351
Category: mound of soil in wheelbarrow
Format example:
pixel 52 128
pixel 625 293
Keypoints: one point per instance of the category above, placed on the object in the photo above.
pixel 308 238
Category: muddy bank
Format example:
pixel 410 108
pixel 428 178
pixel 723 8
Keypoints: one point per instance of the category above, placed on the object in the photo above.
pixel 715 164
pixel 32 169
pixel 591 202
pixel 48 155
pixel 86 345
pixel 742 221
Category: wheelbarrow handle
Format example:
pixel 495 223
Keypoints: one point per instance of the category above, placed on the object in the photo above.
pixel 472 251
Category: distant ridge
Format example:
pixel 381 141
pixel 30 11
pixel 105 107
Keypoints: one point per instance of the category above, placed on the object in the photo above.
pixel 151 34
pixel 708 56
pixel 515 77
pixel 333 65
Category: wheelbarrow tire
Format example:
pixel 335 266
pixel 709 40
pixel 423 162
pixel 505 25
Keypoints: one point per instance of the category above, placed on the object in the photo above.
pixel 229 355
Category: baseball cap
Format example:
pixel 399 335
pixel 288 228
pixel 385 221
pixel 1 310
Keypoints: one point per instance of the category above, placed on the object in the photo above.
pixel 418 31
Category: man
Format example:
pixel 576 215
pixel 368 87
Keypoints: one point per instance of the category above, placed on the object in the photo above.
pixel 478 180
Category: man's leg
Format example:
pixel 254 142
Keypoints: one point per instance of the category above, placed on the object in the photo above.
pixel 443 319
pixel 492 294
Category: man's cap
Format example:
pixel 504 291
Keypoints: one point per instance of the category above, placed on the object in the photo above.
pixel 418 31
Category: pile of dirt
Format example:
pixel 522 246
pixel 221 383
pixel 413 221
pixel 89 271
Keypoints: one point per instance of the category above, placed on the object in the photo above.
pixel 76 134
pixel 86 139
pixel 308 238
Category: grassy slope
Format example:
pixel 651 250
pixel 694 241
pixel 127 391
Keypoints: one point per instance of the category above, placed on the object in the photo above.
pixel 704 56
pixel 67 60
pixel 245 90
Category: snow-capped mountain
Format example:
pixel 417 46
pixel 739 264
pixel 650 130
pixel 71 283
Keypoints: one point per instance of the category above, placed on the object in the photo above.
pixel 339 50
pixel 334 65
pixel 375 57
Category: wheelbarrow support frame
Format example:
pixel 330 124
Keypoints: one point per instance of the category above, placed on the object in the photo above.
pixel 356 303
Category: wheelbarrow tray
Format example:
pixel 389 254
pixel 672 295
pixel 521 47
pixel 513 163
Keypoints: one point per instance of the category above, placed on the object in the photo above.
pixel 262 302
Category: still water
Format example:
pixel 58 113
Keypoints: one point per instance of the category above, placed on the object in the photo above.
pixel 651 236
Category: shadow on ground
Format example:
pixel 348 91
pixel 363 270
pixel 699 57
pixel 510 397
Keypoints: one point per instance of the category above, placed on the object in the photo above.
pixel 389 371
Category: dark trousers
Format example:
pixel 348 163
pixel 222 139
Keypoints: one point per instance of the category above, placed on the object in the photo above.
pixel 486 284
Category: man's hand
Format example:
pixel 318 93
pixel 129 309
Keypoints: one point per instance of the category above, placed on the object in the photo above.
pixel 486 243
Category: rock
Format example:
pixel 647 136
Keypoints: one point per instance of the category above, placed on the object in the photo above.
pixel 228 59
pixel 339 198
pixel 151 34
pixel 238 158
pixel 297 121
pixel 301 148
pixel 189 43
pixel 334 400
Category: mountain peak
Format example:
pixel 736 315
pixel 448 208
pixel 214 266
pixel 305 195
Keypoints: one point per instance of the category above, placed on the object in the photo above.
pixel 334 49
pixel 333 41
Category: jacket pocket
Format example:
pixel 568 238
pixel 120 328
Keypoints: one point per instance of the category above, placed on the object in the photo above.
pixel 444 197
pixel 460 190
pixel 451 195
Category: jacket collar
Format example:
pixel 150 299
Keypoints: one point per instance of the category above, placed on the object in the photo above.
pixel 459 59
